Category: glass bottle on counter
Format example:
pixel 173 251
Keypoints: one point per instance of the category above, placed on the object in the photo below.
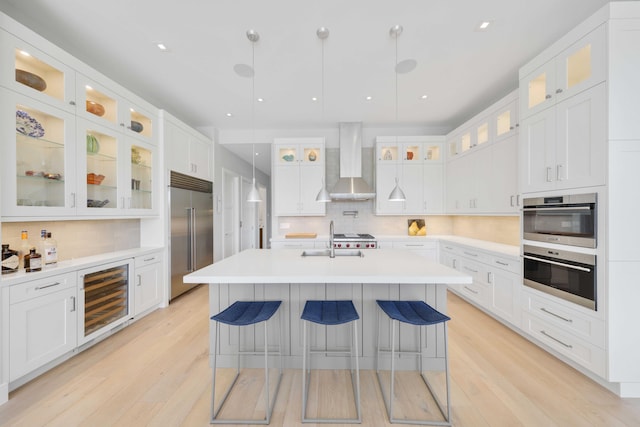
pixel 24 247
pixel 32 261
pixel 10 260
pixel 50 252
pixel 40 244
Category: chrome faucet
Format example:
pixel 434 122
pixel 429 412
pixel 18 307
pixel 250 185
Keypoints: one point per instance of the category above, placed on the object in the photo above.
pixel 332 248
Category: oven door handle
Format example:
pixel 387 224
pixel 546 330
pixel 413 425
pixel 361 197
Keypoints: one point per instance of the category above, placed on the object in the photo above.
pixel 559 208
pixel 561 264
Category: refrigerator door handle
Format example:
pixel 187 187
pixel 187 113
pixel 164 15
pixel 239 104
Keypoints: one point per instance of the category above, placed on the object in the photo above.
pixel 193 239
pixel 190 229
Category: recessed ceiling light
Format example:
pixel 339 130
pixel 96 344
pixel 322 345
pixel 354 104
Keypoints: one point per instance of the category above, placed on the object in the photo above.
pixel 314 99
pixel 162 47
pixel 483 25
pixel 132 110
pixel 424 97
pixel 87 87
pixel 369 98
pixel 25 53
pixel 260 99
pixel 229 115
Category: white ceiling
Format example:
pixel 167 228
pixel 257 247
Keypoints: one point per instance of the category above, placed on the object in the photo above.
pixel 462 70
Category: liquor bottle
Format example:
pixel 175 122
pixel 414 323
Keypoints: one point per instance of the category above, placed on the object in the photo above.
pixel 50 252
pixel 24 247
pixel 40 244
pixel 10 260
pixel 32 261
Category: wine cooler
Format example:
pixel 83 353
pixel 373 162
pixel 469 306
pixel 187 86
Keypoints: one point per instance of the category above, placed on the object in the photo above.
pixel 105 298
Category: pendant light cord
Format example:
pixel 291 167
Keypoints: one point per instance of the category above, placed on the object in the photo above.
pixel 253 113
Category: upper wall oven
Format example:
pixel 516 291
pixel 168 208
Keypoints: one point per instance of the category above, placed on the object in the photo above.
pixel 568 220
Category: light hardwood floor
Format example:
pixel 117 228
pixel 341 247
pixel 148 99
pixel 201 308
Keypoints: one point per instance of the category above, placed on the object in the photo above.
pixel 156 373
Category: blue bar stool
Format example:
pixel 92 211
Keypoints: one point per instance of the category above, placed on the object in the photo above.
pixel 244 313
pixel 330 313
pixel 420 314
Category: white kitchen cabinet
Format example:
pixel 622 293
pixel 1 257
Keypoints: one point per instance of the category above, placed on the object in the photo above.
pixel 26 69
pixel 426 249
pixel 565 146
pixel 298 173
pixel 505 280
pixel 417 163
pixel 505 121
pixel 149 282
pixel 504 196
pixel 469 182
pixel 579 67
pixel 38 164
pixel 43 322
pixel 186 150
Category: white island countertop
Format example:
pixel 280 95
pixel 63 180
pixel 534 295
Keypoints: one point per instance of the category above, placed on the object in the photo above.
pixel 288 266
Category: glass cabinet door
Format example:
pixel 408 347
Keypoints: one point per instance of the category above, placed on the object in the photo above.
pixel 37 158
pixel 411 152
pixel 432 152
pixel 99 170
pixel 96 103
pixel 388 151
pixel 137 122
pixel 141 172
pixel 286 154
pixel 29 71
pixel 505 121
pixel 311 154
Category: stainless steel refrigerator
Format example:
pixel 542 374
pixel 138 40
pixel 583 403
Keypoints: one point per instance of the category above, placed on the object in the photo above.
pixel 191 243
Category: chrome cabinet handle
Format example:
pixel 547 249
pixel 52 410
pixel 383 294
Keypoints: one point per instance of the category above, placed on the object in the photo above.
pixel 556 315
pixel 559 90
pixel 506 264
pixel 139 280
pixel 549 179
pixel 47 286
pixel 73 304
pixel 489 277
pixel 556 339
pixel 559 172
pixel 470 269
pixel 72 102
pixel 470 254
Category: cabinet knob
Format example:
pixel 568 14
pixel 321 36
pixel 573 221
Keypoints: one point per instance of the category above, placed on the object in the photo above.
pixel 547 97
pixel 72 102
pixel 559 90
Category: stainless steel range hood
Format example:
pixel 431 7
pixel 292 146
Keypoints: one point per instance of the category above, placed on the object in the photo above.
pixel 351 186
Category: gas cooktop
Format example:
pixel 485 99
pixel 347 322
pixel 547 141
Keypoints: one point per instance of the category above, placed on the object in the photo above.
pixel 354 241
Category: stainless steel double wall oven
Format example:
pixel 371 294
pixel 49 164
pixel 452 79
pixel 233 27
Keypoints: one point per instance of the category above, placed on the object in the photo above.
pixel 568 222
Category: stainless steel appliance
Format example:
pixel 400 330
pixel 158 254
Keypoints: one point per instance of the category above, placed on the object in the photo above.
pixel 354 241
pixel 191 245
pixel 567 275
pixel 568 220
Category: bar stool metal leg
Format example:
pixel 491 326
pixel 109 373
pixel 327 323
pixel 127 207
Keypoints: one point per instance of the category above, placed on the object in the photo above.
pixel 243 314
pixel 402 311
pixel 312 313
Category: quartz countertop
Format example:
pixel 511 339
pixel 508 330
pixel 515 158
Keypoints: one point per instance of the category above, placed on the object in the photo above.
pixel 384 266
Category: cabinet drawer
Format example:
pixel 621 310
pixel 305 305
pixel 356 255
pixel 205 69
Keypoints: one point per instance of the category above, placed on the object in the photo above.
pixel 507 264
pixel 141 261
pixel 448 247
pixel 566 343
pixel 415 245
pixel 564 318
pixel 40 287
pixel 475 255
pixel 478 292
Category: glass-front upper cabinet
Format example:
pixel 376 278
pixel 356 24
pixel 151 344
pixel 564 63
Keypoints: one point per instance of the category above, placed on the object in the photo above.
pixel 482 133
pixel 141 169
pixel 38 159
pixel 99 168
pixel 308 151
pixel 432 152
pixel 96 102
pixel 411 152
pixel 580 66
pixel 389 150
pixel 136 121
pixel 31 72
pixel 505 121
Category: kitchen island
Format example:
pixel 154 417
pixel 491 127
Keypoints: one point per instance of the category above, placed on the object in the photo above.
pixel 286 275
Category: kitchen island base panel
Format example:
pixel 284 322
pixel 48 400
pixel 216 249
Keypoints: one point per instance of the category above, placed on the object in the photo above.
pixel 364 297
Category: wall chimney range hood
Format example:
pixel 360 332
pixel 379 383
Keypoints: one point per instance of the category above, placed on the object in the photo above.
pixel 351 186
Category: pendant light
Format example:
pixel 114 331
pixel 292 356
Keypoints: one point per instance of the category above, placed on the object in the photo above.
pixel 254 194
pixel 397 195
pixel 322 33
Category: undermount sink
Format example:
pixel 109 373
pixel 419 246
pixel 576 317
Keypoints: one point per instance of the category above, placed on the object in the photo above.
pixel 327 252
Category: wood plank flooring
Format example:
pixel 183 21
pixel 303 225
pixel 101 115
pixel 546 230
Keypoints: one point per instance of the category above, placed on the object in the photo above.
pixel 156 373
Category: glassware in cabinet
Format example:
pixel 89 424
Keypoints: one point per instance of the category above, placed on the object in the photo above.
pixel 37 159
pixel 31 72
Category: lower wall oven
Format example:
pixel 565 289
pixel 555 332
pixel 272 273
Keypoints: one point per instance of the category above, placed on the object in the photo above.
pixel 564 274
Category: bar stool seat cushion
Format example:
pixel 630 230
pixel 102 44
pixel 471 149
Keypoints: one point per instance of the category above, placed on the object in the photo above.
pixel 329 312
pixel 412 312
pixel 242 313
